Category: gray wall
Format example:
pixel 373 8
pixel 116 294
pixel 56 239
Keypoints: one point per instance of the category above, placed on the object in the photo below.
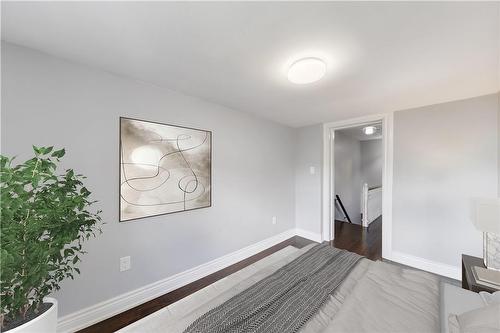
pixel 348 180
pixel 47 101
pixel 356 162
pixel 444 155
pixel 309 153
pixel 372 161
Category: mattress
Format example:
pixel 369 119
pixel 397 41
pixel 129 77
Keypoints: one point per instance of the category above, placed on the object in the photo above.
pixel 375 297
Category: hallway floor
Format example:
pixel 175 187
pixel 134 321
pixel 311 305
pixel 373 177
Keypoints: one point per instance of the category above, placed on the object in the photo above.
pixel 363 241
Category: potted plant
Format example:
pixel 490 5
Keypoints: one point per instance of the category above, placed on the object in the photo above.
pixel 45 218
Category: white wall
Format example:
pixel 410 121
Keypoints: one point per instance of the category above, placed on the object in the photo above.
pixel 372 160
pixel 348 180
pixel 308 153
pixel 48 101
pixel 444 155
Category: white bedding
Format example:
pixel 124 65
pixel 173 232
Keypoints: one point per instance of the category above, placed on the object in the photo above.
pixel 375 297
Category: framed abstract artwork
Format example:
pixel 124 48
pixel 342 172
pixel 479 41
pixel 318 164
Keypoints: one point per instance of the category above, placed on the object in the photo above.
pixel 163 168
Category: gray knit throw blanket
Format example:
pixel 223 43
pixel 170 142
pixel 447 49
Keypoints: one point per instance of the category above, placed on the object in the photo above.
pixel 285 300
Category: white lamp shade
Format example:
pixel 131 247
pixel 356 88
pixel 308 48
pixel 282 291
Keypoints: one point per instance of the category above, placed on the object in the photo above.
pixel 487 215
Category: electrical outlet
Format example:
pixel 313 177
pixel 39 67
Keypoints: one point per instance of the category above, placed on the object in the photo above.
pixel 312 170
pixel 125 263
pixel 274 220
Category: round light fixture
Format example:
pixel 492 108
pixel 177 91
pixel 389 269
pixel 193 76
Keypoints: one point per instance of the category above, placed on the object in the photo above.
pixel 369 130
pixel 306 70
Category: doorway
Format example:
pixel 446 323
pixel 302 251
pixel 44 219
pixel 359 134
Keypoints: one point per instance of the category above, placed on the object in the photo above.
pixel 358 160
pixel 363 187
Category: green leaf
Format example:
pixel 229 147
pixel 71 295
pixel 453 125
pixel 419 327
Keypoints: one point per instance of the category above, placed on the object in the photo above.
pixel 46 150
pixel 37 150
pixel 59 153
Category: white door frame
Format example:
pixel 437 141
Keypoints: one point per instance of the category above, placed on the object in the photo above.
pixel 328 182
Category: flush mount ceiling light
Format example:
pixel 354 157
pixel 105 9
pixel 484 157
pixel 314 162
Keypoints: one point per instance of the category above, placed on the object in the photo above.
pixel 369 130
pixel 306 70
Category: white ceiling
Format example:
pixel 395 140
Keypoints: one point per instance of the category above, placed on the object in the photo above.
pixel 381 56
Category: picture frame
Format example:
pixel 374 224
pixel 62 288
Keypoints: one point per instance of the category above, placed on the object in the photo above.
pixel 164 169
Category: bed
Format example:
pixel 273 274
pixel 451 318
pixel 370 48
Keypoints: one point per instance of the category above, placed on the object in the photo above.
pixel 374 296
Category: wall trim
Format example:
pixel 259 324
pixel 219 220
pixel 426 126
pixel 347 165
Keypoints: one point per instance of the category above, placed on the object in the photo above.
pixel 106 309
pixel 453 272
pixel 314 236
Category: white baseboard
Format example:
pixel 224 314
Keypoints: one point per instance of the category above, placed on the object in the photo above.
pixel 453 272
pixel 316 237
pixel 98 312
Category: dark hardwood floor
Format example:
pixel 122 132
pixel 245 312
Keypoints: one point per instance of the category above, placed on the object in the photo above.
pixel 128 317
pixel 363 241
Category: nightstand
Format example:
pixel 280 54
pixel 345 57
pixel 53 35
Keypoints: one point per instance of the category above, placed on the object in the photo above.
pixel 468 280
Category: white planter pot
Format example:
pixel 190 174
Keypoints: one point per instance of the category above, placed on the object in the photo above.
pixel 44 323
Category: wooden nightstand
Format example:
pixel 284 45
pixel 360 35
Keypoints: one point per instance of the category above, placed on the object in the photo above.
pixel 468 280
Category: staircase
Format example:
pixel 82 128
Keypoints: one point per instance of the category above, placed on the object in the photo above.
pixel 342 208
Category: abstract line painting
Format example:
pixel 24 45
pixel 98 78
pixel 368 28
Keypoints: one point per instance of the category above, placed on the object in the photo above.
pixel 163 168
